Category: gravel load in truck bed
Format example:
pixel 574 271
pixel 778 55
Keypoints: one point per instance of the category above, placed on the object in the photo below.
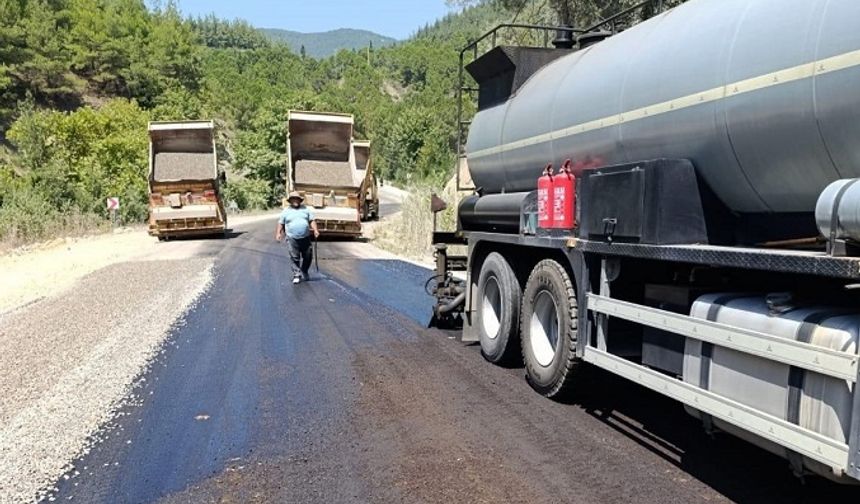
pixel 324 173
pixel 184 166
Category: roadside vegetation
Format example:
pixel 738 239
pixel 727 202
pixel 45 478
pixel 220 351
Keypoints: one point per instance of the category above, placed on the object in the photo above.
pixel 80 79
pixel 409 232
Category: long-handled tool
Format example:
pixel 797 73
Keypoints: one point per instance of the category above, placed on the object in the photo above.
pixel 316 258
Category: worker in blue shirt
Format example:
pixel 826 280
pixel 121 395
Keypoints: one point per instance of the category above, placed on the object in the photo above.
pixel 298 222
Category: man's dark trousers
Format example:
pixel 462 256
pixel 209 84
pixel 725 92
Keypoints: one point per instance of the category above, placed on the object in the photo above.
pixel 301 255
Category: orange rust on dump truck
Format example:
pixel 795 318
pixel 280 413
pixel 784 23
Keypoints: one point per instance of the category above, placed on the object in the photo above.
pixel 184 183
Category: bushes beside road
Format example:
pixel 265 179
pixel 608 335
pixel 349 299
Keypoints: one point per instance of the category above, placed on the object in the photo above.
pixel 67 164
pixel 249 194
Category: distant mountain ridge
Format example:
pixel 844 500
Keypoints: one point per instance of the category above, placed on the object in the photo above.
pixel 323 44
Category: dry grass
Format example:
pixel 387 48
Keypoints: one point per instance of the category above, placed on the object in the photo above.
pixel 23 232
pixel 408 233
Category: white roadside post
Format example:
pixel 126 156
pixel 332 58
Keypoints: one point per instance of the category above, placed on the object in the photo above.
pixel 112 206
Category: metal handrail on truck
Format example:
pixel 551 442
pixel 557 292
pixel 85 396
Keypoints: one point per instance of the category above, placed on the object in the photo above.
pixel 612 23
pixel 473 48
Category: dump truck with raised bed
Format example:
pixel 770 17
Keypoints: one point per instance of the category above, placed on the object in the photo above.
pixel 184 183
pixel 321 166
pixel 676 203
pixel 368 194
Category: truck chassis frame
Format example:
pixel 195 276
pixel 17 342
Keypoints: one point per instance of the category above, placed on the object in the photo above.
pixel 588 259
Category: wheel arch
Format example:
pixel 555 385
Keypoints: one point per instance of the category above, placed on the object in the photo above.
pixel 523 259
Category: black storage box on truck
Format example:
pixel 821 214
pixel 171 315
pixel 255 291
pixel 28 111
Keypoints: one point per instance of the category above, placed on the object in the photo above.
pixel 714 244
pixel 184 184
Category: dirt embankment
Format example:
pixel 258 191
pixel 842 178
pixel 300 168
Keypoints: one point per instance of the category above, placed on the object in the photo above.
pixel 408 233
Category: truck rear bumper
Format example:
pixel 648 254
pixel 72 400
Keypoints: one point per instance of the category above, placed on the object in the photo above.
pixel 337 221
pixel 186 221
pixel 165 213
pixel 339 228
pixel 189 227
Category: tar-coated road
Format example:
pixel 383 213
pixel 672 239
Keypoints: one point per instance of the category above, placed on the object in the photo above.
pixel 333 391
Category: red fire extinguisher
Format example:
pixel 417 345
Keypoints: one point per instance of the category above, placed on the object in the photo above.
pixel 564 198
pixel 544 198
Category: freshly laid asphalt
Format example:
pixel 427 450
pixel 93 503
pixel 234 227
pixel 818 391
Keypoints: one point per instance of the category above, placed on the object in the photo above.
pixel 334 391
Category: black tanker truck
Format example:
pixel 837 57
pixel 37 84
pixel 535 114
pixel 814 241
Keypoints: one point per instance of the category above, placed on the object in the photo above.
pixel 713 251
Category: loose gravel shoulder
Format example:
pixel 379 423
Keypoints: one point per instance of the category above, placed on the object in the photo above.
pixel 68 362
pixel 46 269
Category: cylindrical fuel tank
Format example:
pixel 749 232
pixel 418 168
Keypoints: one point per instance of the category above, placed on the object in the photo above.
pixel 763 96
pixel 822 404
pixel 493 212
pixel 843 196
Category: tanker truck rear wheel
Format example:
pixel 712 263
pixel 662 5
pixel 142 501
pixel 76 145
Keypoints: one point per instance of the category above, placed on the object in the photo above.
pixel 549 329
pixel 498 312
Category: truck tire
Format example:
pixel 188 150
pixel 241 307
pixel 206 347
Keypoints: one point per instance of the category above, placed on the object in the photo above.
pixel 498 312
pixel 549 329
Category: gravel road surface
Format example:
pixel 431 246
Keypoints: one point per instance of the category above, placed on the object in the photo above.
pixel 69 362
pixel 333 391
pixel 42 270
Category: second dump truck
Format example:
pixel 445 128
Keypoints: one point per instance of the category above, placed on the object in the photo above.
pixel 184 183
pixel 331 170
pixel 369 190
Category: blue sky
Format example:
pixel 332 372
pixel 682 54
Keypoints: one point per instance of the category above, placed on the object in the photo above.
pixel 394 18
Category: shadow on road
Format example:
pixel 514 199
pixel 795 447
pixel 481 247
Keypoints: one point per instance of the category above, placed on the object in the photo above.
pixel 735 468
pixel 232 233
pixel 341 239
pixel 227 235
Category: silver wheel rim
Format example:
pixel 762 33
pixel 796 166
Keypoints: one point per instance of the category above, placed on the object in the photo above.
pixel 491 308
pixel 544 328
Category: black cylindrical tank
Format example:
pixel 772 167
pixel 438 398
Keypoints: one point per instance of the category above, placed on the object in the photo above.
pixel 763 96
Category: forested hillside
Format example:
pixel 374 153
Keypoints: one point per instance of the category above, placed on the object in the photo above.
pixel 325 44
pixel 79 79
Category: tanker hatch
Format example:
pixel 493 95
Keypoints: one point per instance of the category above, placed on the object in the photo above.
pixel 564 38
pixel 504 69
pixel 589 39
